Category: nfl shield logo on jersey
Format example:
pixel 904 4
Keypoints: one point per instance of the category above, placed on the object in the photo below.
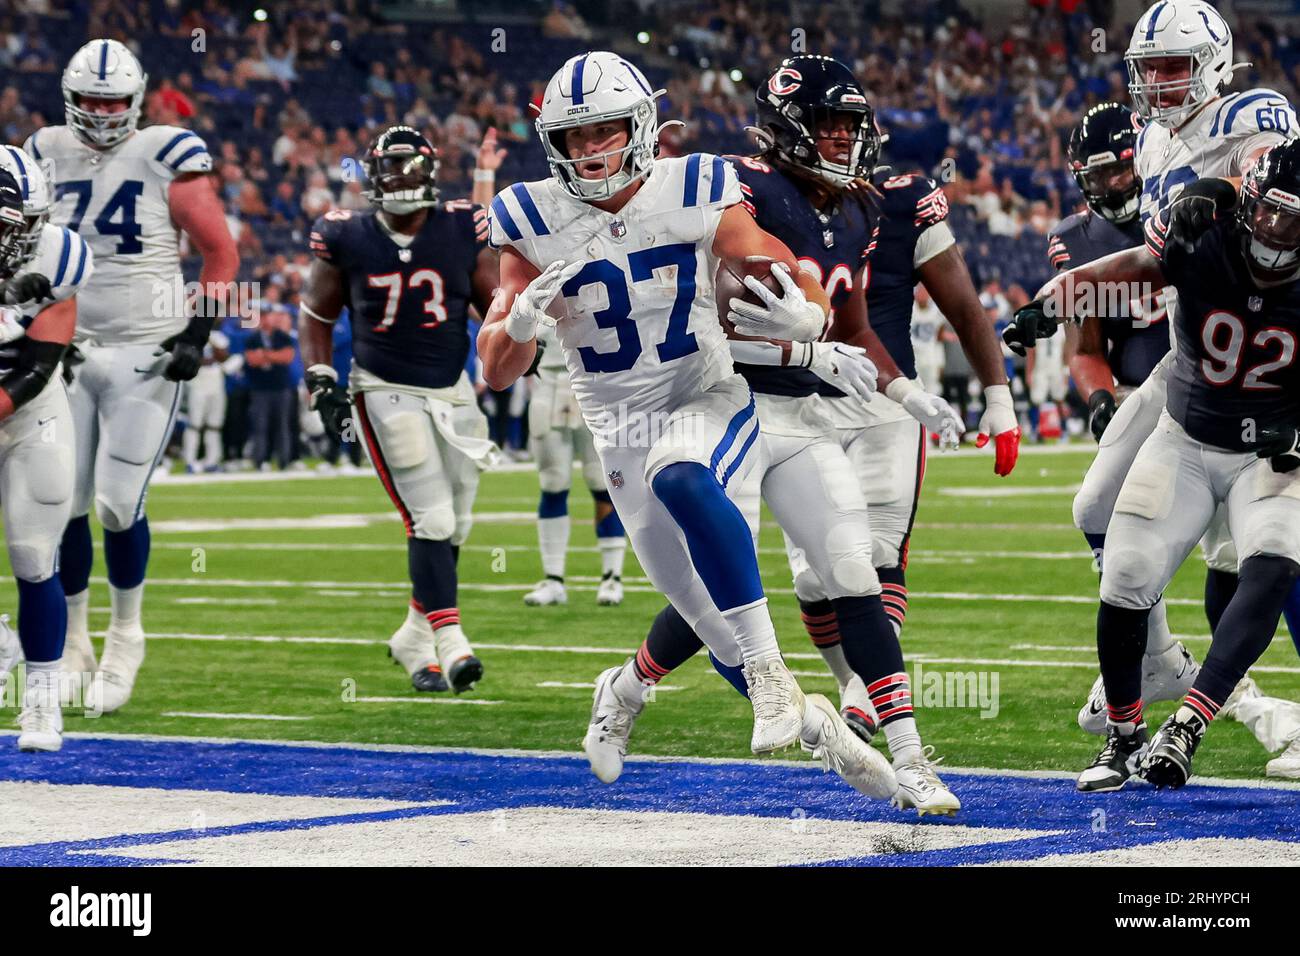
pixel 404 255
pixel 1255 303
pixel 616 479
pixel 618 229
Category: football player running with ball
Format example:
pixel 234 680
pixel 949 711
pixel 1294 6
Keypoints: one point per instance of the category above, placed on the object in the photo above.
pixel 408 271
pixel 1229 434
pixel 127 192
pixel 41 269
pixel 620 251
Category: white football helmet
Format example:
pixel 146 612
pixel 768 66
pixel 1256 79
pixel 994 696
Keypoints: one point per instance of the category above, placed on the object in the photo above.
pixel 103 68
pixel 34 184
pixel 592 88
pixel 1179 28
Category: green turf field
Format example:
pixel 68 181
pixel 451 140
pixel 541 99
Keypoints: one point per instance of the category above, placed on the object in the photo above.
pixel 276 597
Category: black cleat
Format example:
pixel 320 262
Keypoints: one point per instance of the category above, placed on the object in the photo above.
pixel 429 678
pixel 860 723
pixel 465 673
pixel 1169 762
pixel 1118 760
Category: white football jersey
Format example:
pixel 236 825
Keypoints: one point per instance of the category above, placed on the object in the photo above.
pixel 553 362
pixel 117 200
pixel 1214 142
pixel 641 333
pixel 62 257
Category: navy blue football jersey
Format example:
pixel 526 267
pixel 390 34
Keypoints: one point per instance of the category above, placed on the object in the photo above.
pixel 910 204
pixel 408 306
pixel 1133 349
pixel 1236 368
pixel 832 245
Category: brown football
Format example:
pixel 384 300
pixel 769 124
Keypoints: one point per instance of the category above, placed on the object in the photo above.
pixel 729 284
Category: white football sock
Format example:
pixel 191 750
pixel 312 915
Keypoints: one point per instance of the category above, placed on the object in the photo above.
pixel 903 739
pixel 212 447
pixel 416 621
pixel 629 688
pixel 126 603
pixel 79 616
pixel 612 551
pixel 752 625
pixel 553 541
pixel 190 447
pixel 838 663
pixel 1159 639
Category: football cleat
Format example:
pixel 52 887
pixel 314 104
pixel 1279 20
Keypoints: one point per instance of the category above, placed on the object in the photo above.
pixel 1168 762
pixel 1168 676
pixel 414 648
pixel 123 654
pixel 1118 760
pixel 11 651
pixel 920 789
pixel 462 669
pixel 40 722
pixel 778 705
pixel 611 725
pixel 1287 763
pixel 1092 715
pixel 1246 689
pixel 610 592
pixel 549 591
pixel 828 738
pixel 857 710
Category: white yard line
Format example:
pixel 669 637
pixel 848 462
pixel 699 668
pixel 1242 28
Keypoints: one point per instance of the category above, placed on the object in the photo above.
pixel 428 700
pixel 214 716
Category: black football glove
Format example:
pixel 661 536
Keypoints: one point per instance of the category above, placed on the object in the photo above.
pixel 330 399
pixel 187 345
pixel 71 359
pixel 1198 207
pixel 1101 409
pixel 1030 323
pixel 29 287
pixel 1280 444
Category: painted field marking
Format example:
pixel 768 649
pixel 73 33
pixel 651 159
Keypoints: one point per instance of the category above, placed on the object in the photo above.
pixel 203 715
pixel 428 700
pixel 589 685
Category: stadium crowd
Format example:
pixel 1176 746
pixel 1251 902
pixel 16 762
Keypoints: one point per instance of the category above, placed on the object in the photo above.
pixel 288 97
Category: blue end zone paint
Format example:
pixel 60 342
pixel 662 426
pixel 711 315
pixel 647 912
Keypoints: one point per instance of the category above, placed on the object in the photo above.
pixel 482 783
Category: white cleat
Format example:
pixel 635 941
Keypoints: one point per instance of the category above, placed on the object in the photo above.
pixel 1092 715
pixel 456 658
pixel 11 651
pixel 40 722
pixel 857 710
pixel 1287 763
pixel 1246 689
pixel 828 738
pixel 611 725
pixel 123 654
pixel 1168 676
pixel 920 789
pixel 610 592
pixel 548 592
pixel 778 705
pixel 78 666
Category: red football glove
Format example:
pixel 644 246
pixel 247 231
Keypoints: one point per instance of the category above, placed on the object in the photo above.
pixel 999 422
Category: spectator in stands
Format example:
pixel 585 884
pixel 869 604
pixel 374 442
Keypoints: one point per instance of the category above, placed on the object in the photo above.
pixel 268 353
pixel 284 206
pixel 379 85
pixel 317 198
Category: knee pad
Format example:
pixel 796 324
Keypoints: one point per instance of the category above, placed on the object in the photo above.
pixel 554 464
pixel 33 560
pixel 852 567
pixel 437 523
pixel 137 431
pixel 404 438
pixel 119 513
pixel 808 587
pixel 1272 540
pixel 1130 576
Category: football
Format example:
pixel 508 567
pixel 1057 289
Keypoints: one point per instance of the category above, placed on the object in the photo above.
pixel 729 282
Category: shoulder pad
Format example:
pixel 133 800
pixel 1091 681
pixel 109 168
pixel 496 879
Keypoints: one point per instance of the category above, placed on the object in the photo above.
pixel 1254 111
pixel 327 232
pixel 179 150
pixel 515 215
pixel 708 180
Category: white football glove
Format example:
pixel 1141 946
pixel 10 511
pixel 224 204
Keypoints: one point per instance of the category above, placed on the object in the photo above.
pixel 930 410
pixel 844 366
pixel 11 326
pixel 789 316
pixel 529 309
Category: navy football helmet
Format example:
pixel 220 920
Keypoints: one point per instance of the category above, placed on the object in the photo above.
pixel 1101 155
